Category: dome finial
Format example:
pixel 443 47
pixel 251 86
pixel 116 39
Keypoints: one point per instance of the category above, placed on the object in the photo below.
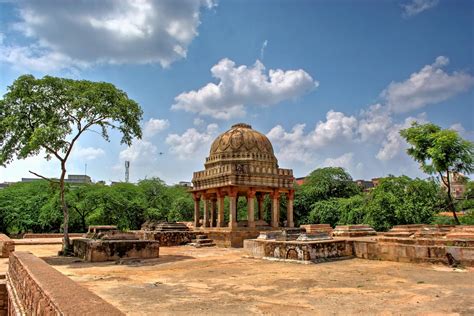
pixel 243 125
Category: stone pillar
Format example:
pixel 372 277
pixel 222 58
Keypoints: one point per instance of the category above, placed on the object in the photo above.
pixel 261 211
pixel 289 209
pixel 206 212
pixel 213 213
pixel 275 196
pixel 220 209
pixel 251 208
pixel 233 208
pixel 197 200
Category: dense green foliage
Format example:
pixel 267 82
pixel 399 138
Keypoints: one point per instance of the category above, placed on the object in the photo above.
pixel 35 207
pixel 50 114
pixel 440 152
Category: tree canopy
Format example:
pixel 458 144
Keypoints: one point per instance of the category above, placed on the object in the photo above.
pixel 441 152
pixel 50 114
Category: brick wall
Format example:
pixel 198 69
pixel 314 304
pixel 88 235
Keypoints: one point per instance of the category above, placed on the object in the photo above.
pixel 35 288
pixel 3 296
pixel 6 246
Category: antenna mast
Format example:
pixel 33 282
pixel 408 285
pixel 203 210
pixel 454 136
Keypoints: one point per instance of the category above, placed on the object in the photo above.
pixel 127 171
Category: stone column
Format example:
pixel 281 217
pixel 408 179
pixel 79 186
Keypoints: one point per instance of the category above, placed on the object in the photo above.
pixel 220 209
pixel 233 208
pixel 206 211
pixel 197 200
pixel 289 209
pixel 261 211
pixel 213 213
pixel 275 196
pixel 251 208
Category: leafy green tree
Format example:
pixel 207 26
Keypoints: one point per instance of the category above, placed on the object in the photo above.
pixel 50 114
pixel 182 209
pixel 84 200
pixel 323 184
pixel 325 212
pixel 440 151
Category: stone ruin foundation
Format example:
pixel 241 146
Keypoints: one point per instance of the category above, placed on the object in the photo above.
pixel 447 244
pixel 109 245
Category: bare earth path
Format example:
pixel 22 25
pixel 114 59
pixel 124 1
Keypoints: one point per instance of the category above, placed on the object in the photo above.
pixel 219 281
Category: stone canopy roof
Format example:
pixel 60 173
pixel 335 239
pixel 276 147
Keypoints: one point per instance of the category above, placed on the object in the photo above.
pixel 242 156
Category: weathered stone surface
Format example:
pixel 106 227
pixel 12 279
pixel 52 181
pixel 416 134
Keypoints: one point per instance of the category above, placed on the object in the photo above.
pixel 168 238
pixel 35 288
pixel 164 226
pixel 110 250
pixel 3 296
pixel 465 232
pixel 316 228
pixel 7 246
pixel 314 236
pixel 50 235
pixel 353 231
pixel 299 250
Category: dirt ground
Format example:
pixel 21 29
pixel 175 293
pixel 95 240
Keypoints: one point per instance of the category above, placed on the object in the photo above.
pixel 219 281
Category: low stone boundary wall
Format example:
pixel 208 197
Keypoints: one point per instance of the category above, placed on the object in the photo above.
pixel 52 235
pixel 108 250
pixel 3 296
pixel 295 250
pixel 35 288
pixel 168 238
pixel 7 246
pixel 416 250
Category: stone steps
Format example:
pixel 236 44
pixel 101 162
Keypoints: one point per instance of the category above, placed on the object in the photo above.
pixel 202 241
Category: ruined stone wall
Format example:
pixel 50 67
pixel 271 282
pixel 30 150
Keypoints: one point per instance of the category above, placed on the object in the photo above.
pixel 6 246
pixel 168 238
pixel 296 250
pixel 227 238
pixel 35 288
pixel 416 250
pixel 50 235
pixel 108 250
pixel 3 296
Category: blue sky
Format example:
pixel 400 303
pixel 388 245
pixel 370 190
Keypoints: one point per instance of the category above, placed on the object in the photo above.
pixel 330 82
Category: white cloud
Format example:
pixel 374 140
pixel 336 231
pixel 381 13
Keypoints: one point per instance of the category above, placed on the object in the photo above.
pixel 374 123
pixel 240 86
pixel 79 33
pixel 140 149
pixel 415 7
pixel 87 153
pixel 428 86
pixel 191 141
pixel 394 144
pixel 298 146
pixel 344 161
pixel 198 121
pixel 154 126
pixel 262 49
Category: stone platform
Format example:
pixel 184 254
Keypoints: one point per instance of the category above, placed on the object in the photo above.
pixel 7 246
pixel 353 231
pixel 109 250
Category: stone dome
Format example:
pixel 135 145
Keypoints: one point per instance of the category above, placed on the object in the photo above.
pixel 241 142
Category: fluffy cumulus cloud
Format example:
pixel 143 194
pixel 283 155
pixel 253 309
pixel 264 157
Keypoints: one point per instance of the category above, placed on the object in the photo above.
pixel 428 86
pixel 70 34
pixel 415 7
pixel 87 153
pixel 239 86
pixel 191 141
pixel 297 145
pixel 345 161
pixel 154 126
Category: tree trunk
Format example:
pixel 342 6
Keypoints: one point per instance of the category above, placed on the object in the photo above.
pixel 450 198
pixel 66 241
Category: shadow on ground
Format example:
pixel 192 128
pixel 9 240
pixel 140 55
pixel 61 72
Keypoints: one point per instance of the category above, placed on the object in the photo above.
pixel 74 262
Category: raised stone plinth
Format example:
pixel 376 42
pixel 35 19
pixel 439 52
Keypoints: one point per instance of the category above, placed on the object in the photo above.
pixel 164 226
pixel 317 228
pixel 433 231
pixel 461 232
pixel 110 250
pixel 7 246
pixel 353 231
pixel 97 229
pixel 314 236
pixel 404 230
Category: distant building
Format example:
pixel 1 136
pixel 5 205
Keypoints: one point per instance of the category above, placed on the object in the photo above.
pixel 376 181
pixel 458 184
pixel 72 178
pixel 186 184
pixel 4 185
pixel 300 181
pixel 365 185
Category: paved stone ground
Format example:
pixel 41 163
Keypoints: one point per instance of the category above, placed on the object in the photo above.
pixel 222 281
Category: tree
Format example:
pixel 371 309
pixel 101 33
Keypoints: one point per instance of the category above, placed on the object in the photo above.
pixel 440 151
pixel 84 200
pixel 50 114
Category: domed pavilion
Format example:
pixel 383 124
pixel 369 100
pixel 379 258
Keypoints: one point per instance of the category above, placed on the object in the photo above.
pixel 241 163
